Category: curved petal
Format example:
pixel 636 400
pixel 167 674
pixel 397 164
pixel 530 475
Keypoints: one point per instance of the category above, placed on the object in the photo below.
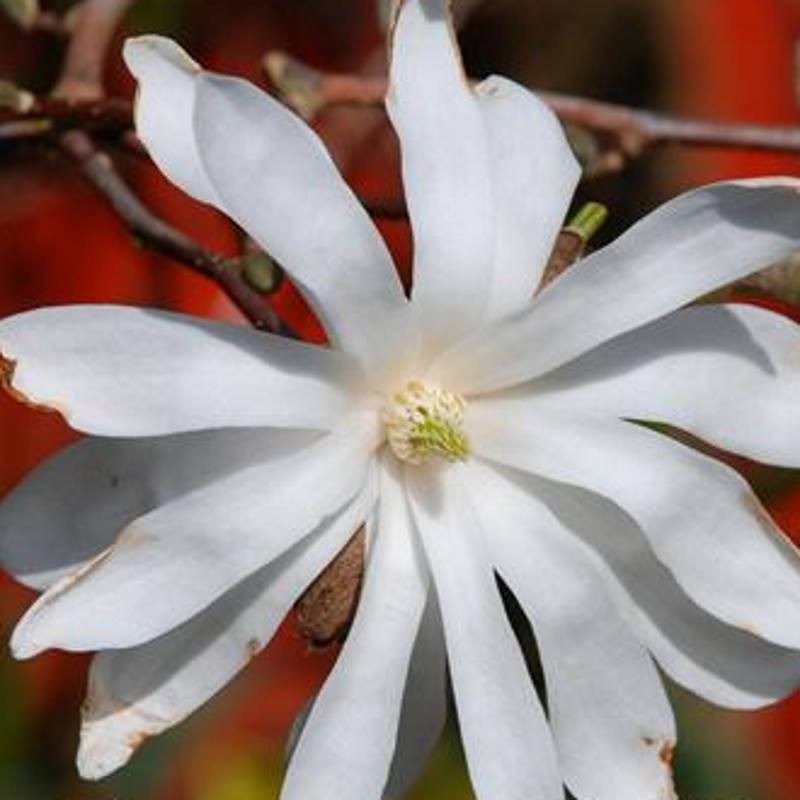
pixel 137 693
pixel 424 705
pixel 610 716
pixel 534 177
pixel 279 183
pixel 693 244
pixel 725 665
pixel 121 371
pixel 446 171
pixel 345 749
pixel 75 504
pixel 175 561
pixel 729 374
pixel 163 112
pixel 509 749
pixel 701 518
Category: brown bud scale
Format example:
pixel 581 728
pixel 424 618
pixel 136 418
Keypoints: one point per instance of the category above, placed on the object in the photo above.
pixel 324 612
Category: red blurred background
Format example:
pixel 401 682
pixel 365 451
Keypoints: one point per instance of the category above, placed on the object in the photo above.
pixel 59 243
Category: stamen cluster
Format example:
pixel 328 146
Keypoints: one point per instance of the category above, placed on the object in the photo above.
pixel 422 422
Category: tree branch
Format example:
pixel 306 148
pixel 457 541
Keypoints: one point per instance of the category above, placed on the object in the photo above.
pixel 95 25
pixel 639 130
pixel 51 115
pixel 162 238
pixel 629 132
pixel 76 105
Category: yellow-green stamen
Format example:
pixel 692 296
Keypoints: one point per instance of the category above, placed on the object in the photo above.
pixel 424 422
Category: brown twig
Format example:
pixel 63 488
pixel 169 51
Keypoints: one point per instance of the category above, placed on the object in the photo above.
pixel 639 130
pixel 77 104
pixel 630 132
pixel 49 115
pixel 95 25
pixel 162 238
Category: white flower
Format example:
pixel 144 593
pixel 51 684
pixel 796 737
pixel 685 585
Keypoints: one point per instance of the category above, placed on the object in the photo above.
pixel 248 460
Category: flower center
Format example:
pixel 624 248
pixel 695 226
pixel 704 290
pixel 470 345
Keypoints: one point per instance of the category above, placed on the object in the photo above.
pixel 423 421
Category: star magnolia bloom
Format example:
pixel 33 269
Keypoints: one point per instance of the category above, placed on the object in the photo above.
pixel 476 432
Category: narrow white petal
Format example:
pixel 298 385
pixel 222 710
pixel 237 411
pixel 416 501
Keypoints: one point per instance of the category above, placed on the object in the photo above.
pixel 163 111
pixel 121 371
pixel 446 170
pixel 175 561
pixel 226 143
pixel 693 244
pixel 728 374
pixel 610 716
pixel 424 705
pixel 534 176
pixel 509 749
pixel 75 504
pixel 701 518
pixel 279 183
pixel 346 747
pixel 725 665
pixel 137 693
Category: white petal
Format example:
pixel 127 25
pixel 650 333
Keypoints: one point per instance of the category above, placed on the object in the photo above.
pixel 173 562
pixel 163 111
pixel 446 171
pixel 694 244
pixel 424 705
pixel 611 720
pixel 121 371
pixel 137 693
pixel 725 665
pixel 225 142
pixel 534 176
pixel 75 504
pixel 279 183
pixel 509 749
pixel 701 518
pixel 346 747
pixel 729 374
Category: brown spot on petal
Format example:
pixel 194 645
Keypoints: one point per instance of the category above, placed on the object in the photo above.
pixel 252 648
pixel 665 755
pixel 99 703
pixel 74 578
pixel 7 369
pixel 324 613
pixel 136 739
pixel 131 537
pixel 666 749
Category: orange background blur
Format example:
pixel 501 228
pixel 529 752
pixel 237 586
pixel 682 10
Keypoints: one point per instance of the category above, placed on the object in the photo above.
pixel 59 243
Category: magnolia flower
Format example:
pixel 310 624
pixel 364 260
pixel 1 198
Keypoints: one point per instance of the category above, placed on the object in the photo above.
pixel 478 433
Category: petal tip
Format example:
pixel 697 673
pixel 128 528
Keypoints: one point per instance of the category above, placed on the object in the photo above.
pixel 139 52
pixel 111 733
pixel 99 756
pixel 23 646
pixel 9 383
